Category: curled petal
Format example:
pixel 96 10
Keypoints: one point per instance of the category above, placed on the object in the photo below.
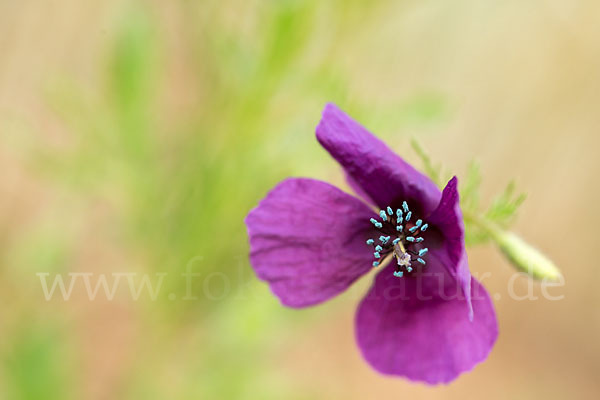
pixel 307 240
pixel 383 176
pixel 447 220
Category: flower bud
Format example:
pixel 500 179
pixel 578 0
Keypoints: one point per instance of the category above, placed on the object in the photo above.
pixel 525 257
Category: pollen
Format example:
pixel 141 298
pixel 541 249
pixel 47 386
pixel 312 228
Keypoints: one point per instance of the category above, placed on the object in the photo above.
pixel 399 238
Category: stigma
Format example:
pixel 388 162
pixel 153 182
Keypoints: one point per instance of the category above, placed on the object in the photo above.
pixel 400 237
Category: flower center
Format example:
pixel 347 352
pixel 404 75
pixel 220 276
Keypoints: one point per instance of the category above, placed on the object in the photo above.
pixel 400 237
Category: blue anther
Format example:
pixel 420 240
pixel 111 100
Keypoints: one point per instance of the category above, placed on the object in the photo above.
pixel 418 223
pixel 421 261
pixel 399 213
pixel 390 211
pixel 422 252
pixel 399 228
pixel 375 263
pixel 374 221
pixel 408 215
pixel 379 225
pixel 424 227
pixel 370 242
pixel 405 206
pixel 399 220
pixel 420 239
pixel 377 255
pixel 409 269
pixel 398 274
pixel 382 215
pixel 395 242
pixel 410 239
pixel 378 248
pixel 414 228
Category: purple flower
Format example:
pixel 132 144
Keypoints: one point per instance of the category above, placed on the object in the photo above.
pixel 425 317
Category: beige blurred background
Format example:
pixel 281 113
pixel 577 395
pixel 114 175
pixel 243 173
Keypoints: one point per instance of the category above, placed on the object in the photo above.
pixel 226 95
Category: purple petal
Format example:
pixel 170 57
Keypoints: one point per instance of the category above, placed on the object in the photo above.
pixel 447 219
pixel 403 328
pixel 358 190
pixel 385 177
pixel 307 240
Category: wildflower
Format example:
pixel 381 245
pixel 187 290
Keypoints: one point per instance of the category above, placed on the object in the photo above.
pixel 425 318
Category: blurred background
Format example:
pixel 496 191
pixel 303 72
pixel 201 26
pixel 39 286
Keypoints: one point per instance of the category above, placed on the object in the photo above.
pixel 136 136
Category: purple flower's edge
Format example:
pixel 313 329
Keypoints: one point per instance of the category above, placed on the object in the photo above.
pixel 447 218
pixel 307 240
pixel 431 341
pixel 383 176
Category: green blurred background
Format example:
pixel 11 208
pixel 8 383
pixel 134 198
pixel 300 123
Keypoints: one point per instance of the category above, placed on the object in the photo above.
pixel 137 135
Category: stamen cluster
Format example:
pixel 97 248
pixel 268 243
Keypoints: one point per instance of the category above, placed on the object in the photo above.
pixel 399 238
